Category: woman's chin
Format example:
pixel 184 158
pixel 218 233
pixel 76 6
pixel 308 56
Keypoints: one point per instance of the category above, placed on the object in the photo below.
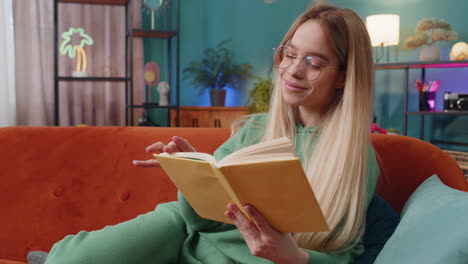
pixel 293 100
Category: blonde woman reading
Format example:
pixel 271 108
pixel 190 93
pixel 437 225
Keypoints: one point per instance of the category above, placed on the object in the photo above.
pixel 323 102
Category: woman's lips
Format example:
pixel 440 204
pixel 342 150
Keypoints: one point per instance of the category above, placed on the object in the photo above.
pixel 293 86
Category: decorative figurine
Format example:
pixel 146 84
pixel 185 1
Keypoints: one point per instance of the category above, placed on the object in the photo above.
pixel 163 89
pixel 151 78
pixel 71 50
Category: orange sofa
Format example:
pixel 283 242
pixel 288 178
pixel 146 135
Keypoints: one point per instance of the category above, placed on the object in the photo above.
pixel 60 180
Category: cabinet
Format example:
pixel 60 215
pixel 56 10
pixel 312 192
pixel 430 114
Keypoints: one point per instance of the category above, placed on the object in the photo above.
pixel 210 116
pixel 422 66
pixel 130 34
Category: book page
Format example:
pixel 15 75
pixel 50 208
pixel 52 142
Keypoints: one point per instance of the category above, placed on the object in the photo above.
pixel 277 149
pixel 192 155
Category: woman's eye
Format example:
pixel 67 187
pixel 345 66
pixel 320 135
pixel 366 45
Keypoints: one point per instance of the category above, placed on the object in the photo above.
pixel 289 55
pixel 313 63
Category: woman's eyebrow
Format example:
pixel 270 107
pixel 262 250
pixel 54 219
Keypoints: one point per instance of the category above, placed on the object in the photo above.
pixel 312 53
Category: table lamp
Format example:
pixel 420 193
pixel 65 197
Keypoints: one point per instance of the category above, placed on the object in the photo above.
pixel 384 30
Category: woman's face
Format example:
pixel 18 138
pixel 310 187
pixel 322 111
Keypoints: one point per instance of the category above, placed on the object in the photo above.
pixel 298 88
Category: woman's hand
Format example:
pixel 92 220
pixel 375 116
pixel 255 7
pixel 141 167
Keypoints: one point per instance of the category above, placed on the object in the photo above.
pixel 177 144
pixel 263 240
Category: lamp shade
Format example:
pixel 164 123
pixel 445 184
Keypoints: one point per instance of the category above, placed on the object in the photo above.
pixel 384 29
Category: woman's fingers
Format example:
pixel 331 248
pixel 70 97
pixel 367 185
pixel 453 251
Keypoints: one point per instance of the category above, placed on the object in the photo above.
pixel 177 144
pixel 152 163
pixel 156 147
pixel 183 144
pixel 259 220
pixel 171 147
pixel 245 226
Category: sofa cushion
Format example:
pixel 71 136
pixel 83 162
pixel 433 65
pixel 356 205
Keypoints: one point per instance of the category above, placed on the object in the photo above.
pixel 433 227
pixel 381 222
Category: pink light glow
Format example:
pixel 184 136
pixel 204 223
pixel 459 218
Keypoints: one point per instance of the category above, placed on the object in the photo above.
pixel 431 103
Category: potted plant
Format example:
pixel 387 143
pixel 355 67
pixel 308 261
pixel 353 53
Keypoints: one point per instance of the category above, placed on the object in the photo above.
pixel 215 71
pixel 428 32
pixel 259 96
pixel 392 131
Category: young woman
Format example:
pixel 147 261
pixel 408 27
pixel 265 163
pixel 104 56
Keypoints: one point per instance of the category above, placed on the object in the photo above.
pixel 322 101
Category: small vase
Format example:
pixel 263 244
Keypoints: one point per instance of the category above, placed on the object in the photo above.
pixel 430 53
pixel 427 101
pixel 217 97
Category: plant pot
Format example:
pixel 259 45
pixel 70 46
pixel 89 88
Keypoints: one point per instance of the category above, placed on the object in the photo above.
pixel 217 97
pixel 79 74
pixel 430 53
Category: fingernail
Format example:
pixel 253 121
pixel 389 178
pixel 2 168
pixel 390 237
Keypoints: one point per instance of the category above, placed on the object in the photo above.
pixel 248 209
pixel 231 206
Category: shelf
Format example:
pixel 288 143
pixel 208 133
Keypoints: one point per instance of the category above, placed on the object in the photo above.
pixel 421 64
pixel 96 2
pixel 152 105
pixel 93 79
pixel 447 113
pixel 214 108
pixel 449 143
pixel 143 33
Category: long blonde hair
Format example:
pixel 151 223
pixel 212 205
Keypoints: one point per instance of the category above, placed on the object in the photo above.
pixel 337 166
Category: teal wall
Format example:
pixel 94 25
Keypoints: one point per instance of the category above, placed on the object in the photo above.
pixel 255 28
pixel 389 84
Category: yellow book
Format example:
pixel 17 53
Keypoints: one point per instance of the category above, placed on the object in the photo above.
pixel 267 175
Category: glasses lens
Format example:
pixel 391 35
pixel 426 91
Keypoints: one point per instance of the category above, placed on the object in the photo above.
pixel 310 67
pixel 286 56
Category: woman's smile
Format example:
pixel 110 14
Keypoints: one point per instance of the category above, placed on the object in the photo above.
pixel 294 87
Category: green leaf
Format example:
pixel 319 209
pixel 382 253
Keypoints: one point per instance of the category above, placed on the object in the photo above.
pixel 216 69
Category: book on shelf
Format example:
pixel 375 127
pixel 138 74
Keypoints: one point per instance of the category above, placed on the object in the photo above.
pixel 267 175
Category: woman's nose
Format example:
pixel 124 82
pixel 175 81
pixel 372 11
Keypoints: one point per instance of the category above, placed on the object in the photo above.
pixel 295 68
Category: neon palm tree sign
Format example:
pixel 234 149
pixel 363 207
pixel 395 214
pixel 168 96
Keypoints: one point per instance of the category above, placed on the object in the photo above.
pixel 72 50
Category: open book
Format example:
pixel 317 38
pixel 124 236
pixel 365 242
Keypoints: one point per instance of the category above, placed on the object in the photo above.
pixel 267 175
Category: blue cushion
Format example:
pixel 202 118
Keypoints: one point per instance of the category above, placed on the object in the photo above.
pixel 381 222
pixel 433 228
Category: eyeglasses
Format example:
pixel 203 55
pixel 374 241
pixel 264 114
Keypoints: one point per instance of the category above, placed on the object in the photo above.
pixel 310 66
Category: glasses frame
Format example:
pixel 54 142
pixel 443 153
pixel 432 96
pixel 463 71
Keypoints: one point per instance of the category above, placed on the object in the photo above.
pixel 280 48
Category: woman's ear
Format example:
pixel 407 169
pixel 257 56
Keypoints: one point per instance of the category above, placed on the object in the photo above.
pixel 341 80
